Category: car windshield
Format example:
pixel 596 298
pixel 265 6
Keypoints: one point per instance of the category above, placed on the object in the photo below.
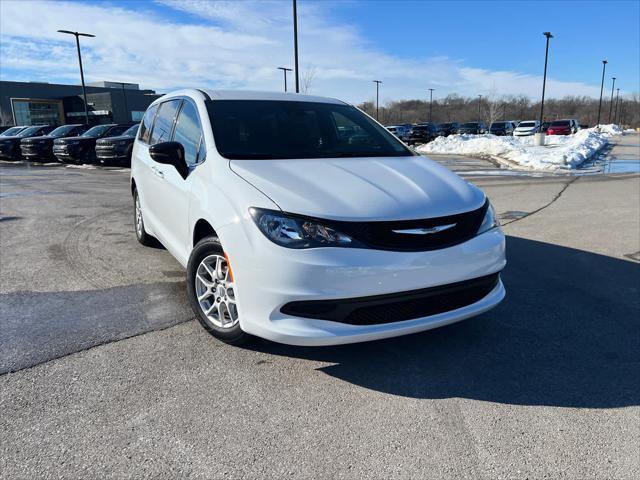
pixel 267 129
pixel 560 123
pixel 131 132
pixel 61 131
pixel 29 132
pixel 498 125
pixel 96 131
pixel 10 132
pixel 526 124
pixel 469 125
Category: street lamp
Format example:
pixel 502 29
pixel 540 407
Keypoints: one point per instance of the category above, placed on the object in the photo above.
pixel 544 77
pixel 604 67
pixel 615 115
pixel 611 103
pixel 285 70
pixel 377 82
pixel 430 102
pixel 295 45
pixel 479 100
pixel 84 93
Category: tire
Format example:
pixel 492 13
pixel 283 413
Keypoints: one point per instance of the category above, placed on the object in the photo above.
pixel 141 234
pixel 208 273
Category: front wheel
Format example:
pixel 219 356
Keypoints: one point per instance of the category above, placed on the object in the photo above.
pixel 211 289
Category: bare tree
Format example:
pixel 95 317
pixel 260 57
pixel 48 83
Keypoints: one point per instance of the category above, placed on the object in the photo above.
pixel 306 79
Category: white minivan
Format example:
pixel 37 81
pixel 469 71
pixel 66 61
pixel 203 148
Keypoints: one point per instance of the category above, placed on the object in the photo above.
pixel 302 220
pixel 527 128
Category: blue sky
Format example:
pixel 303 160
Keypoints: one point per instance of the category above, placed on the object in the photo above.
pixel 492 48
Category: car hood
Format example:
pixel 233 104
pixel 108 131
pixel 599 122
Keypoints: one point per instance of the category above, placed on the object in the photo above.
pixel 119 138
pixel 62 141
pixel 37 139
pixel 390 188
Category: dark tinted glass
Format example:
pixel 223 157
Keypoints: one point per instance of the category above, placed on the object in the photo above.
pixel 30 132
pixel 560 123
pixel 264 129
pixel 131 132
pixel 163 124
pixel 117 131
pixel 96 131
pixel 11 131
pixel 147 123
pixel 470 125
pixel 61 131
pixel 188 132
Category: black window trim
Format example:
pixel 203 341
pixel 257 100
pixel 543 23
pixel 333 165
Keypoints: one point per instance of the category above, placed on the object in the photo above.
pixel 153 122
pixel 201 140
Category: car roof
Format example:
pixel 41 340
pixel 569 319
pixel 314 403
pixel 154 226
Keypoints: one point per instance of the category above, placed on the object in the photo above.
pixel 250 95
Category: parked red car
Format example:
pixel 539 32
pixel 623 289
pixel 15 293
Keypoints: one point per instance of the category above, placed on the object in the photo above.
pixel 563 127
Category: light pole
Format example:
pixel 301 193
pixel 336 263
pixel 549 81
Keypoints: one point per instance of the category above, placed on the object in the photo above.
pixel 295 44
pixel 377 82
pixel 285 70
pixel 479 100
pixel 124 96
pixel 604 67
pixel 615 115
pixel 430 102
pixel 611 103
pixel 544 77
pixel 84 93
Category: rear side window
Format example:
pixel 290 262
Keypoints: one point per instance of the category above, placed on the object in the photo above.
pixel 163 125
pixel 188 132
pixel 116 131
pixel 147 123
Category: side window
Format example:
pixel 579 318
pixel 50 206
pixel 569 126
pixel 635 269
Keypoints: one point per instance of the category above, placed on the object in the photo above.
pixel 188 132
pixel 163 124
pixel 147 123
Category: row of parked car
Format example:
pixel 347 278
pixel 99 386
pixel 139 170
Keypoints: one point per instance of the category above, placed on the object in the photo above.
pixel 414 134
pixel 109 144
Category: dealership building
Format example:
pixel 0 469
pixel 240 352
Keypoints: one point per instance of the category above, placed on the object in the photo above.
pixel 35 103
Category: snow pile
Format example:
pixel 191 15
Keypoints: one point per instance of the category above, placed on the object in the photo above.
pixel 611 129
pixel 559 151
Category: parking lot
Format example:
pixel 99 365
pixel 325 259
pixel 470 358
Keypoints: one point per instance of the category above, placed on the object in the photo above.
pixel 105 372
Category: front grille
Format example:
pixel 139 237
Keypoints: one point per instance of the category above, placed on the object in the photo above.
pixel 396 307
pixel 381 235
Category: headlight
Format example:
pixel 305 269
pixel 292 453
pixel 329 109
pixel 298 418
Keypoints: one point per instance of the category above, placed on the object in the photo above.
pixel 297 232
pixel 489 221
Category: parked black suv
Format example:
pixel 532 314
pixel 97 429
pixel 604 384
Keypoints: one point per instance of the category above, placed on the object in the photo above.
pixel 422 134
pixel 41 148
pixel 449 128
pixel 10 146
pixel 501 128
pixel 82 149
pixel 474 128
pixel 117 150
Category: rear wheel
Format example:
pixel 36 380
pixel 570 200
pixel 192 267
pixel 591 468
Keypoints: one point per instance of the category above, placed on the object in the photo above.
pixel 138 222
pixel 211 289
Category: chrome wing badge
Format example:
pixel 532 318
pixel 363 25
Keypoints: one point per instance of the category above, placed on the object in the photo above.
pixel 425 231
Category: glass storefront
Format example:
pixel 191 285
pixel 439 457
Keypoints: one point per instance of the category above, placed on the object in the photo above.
pixel 37 112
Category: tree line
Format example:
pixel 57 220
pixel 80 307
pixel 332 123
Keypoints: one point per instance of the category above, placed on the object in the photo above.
pixel 492 108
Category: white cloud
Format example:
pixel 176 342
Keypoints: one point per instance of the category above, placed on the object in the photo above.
pixel 233 45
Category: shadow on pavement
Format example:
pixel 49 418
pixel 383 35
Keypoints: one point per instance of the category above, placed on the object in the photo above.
pixel 567 335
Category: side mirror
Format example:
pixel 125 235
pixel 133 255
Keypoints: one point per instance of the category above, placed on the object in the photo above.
pixel 170 153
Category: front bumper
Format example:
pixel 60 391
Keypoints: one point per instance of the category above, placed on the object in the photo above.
pixel 35 152
pixel 66 153
pixel 271 277
pixel 9 152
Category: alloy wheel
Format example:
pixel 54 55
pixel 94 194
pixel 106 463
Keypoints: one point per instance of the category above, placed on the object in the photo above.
pixel 214 291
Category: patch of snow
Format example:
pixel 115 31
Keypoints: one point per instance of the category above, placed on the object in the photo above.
pixel 611 129
pixel 559 151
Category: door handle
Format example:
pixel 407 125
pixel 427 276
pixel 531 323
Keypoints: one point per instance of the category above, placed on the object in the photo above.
pixel 159 173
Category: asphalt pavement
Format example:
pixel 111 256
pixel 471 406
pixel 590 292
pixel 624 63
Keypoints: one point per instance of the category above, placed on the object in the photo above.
pixel 105 374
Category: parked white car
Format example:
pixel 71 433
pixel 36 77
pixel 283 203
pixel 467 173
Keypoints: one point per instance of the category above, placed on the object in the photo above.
pixel 302 220
pixel 526 128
